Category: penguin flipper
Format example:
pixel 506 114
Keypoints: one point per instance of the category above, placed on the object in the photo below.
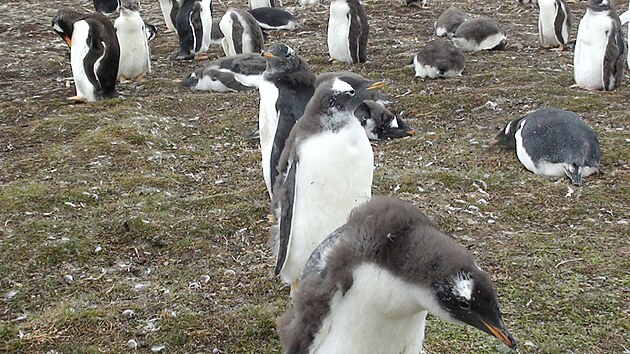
pixel 625 17
pixel 92 61
pixel 287 200
pixel 613 60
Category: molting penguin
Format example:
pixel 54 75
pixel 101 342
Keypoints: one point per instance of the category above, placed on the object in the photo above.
pixel 94 52
pixel 439 59
pixel 481 33
pixel 271 18
pixel 554 23
pixel 242 33
pixel 369 286
pixel 135 56
pixel 347 31
pixel 599 48
pixel 325 171
pixel 256 4
pixel 379 123
pixel 194 28
pixel 228 74
pixel 169 12
pixel 106 6
pixel 553 142
pixel 448 21
pixel 287 85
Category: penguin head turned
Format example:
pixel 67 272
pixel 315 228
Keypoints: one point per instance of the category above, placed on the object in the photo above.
pixel 506 137
pixel 348 92
pixel 281 58
pixel 601 5
pixel 63 22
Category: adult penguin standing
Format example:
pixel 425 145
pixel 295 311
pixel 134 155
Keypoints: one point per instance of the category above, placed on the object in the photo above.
pixel 347 32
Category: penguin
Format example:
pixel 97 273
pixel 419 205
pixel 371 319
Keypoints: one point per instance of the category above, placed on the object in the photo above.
pixel 194 28
pixel 312 3
pixel 271 18
pixel 347 32
pixel 216 37
pixel 553 142
pixel 368 287
pixel 325 171
pixel 286 87
pixel 242 33
pixel 528 1
pixel 439 59
pixel 169 12
pixel 424 3
pixel 449 20
pixel 256 4
pixel 94 52
pixel 481 33
pixel 554 23
pixel 379 123
pixel 150 31
pixel 600 49
pixel 135 55
pixel 241 72
pixel 625 18
pixel 107 7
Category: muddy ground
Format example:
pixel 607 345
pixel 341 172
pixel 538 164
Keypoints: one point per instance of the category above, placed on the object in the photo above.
pixel 139 223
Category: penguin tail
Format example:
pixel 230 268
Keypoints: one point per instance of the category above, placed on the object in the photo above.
pixel 573 172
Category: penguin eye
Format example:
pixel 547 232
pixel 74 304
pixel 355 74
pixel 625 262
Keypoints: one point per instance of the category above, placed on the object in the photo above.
pixel 464 304
pixel 351 92
pixel 363 121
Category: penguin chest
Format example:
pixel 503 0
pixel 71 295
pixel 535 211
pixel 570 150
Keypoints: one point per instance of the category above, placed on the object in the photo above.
pixel 167 6
pixel 206 24
pixel 338 31
pixel 549 12
pixel 535 161
pixel 134 47
pixel 78 53
pixel 268 117
pixel 590 49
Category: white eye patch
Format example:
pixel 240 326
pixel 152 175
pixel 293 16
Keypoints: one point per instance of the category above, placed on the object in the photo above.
pixel 57 28
pixel 463 287
pixel 341 86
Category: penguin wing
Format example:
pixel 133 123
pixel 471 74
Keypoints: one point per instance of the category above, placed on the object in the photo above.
pixel 625 17
pixel 92 60
pixel 316 262
pixel 228 79
pixel 613 59
pixel 284 198
pixel 289 111
pixel 561 16
pixel 358 33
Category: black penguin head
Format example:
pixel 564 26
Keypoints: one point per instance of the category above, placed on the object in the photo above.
pixel 379 122
pixel 281 58
pixel 191 80
pixel 506 136
pixel 63 22
pixel 348 92
pixel 601 5
pixel 468 296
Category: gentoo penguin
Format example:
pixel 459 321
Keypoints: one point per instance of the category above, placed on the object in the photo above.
pixel 241 72
pixel 94 52
pixel 424 3
pixel 216 37
pixel 439 59
pixel 135 56
pixel 150 31
pixel 271 18
pixel 379 123
pixel 194 28
pixel 449 20
pixel 625 18
pixel 169 12
pixel 480 33
pixel 553 142
pixel 286 87
pixel 554 23
pixel 106 6
pixel 325 171
pixel 256 4
pixel 347 31
pixel 599 48
pixel 242 33
pixel 368 287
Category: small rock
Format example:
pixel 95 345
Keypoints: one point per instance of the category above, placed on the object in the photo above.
pixel 98 249
pixel 10 294
pixel 68 278
pixel 205 278
pixel 157 348
pixel 132 344
pixel 128 313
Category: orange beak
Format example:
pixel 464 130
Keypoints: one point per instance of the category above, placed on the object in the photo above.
pixel 497 332
pixel 68 40
pixel 268 55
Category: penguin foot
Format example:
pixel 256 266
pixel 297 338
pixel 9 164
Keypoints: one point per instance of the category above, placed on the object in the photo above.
pixel 294 285
pixel 201 56
pixel 561 48
pixel 333 61
pixel 169 31
pixel 77 99
pixel 574 86
pixel 139 78
pixel 178 81
pixel 271 218
pixel 123 80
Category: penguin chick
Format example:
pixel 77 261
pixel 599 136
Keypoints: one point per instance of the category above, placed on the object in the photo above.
pixel 480 33
pixel 379 123
pixel 228 74
pixel 439 59
pixel 449 20
pixel 135 55
pixel 554 23
pixel 242 33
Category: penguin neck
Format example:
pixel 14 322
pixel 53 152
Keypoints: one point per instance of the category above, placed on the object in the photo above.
pixel 335 120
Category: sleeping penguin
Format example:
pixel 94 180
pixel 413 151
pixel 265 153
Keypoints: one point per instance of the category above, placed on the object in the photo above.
pixel 347 32
pixel 480 33
pixel 449 20
pixel 242 33
pixel 553 142
pixel 439 59
pixel 194 29
pixel 599 49
pixel 135 56
pixel 271 18
pixel 94 52
pixel 379 123
pixel 554 23
pixel 241 72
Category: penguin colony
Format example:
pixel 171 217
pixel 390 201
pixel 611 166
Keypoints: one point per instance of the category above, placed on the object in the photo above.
pixel 339 248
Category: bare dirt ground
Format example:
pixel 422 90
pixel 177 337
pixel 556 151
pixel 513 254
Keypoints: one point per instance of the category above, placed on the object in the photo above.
pixel 140 222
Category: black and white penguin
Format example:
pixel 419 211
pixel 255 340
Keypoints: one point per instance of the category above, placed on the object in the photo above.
pixel 286 87
pixel 449 20
pixel 135 55
pixel 439 59
pixel 625 18
pixel 310 2
pixel 554 23
pixel 94 52
pixel 194 28
pixel 256 4
pixel 325 171
pixel 480 33
pixel 380 123
pixel 553 142
pixel 600 49
pixel 271 18
pixel 169 12
pixel 241 72
pixel 423 3
pixel 106 6
pixel 370 285
pixel 347 31
pixel 150 31
pixel 242 34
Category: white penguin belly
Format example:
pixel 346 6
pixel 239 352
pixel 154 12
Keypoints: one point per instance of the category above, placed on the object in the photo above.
pixel 491 41
pixel 206 83
pixel 227 42
pixel 546 20
pixel 206 25
pixel 134 47
pixel 338 31
pixel 333 176
pixel 166 6
pixel 78 51
pixel 590 48
pixel 254 4
pixel 267 125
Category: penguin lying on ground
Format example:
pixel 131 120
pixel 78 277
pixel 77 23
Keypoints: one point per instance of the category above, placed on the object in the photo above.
pixel 106 6
pixel 553 142
pixel 369 286
pixel 94 52
pixel 448 21
pixel 481 33
pixel 554 23
pixel 135 56
pixel 347 31
pixel 169 12
pixel 194 28
pixel 228 74
pixel 271 18
pixel 242 33
pixel 439 59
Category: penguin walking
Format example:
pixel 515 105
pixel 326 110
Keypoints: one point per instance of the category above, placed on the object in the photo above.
pixel 169 12
pixel 368 287
pixel 439 59
pixel 94 53
pixel 256 4
pixel 194 28
pixel 480 33
pixel 599 48
pixel 286 87
pixel 242 34
pixel 553 142
pixel 347 32
pixel 324 172
pixel 449 20
pixel 271 18
pixel 135 55
pixel 241 72
pixel 554 23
